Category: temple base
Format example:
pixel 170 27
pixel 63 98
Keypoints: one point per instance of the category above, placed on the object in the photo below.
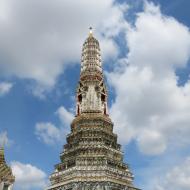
pixel 92 186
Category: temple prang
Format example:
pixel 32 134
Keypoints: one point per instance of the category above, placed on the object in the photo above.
pixel 92 158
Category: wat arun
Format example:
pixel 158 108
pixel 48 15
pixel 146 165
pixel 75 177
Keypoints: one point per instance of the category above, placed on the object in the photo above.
pixel 92 158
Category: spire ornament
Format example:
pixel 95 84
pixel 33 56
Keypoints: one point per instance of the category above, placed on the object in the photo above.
pixel 90 31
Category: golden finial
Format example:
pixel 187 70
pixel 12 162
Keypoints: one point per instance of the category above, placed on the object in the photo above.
pixel 90 33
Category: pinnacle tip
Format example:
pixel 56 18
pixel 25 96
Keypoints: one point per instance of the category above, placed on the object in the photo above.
pixel 90 33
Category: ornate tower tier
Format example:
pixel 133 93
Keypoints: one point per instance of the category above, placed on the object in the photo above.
pixel 91 159
pixel 6 177
pixel 91 92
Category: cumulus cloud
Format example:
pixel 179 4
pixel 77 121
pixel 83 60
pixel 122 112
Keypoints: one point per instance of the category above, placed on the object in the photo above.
pixel 65 116
pixel 28 176
pixel 149 106
pixel 158 41
pixel 49 133
pixel 179 177
pixel 40 37
pixel 173 178
pixel 5 87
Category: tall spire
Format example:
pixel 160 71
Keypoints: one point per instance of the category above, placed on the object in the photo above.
pixel 91 57
pixel 91 92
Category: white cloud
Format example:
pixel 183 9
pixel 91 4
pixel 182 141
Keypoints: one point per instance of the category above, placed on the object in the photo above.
pixel 4 140
pixel 65 116
pixel 48 133
pixel 151 142
pixel 28 176
pixel 158 41
pixel 5 87
pixel 179 177
pixel 168 171
pixel 149 106
pixel 51 134
pixel 173 178
pixel 39 37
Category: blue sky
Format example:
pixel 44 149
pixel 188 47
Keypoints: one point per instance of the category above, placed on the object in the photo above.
pixel 145 48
